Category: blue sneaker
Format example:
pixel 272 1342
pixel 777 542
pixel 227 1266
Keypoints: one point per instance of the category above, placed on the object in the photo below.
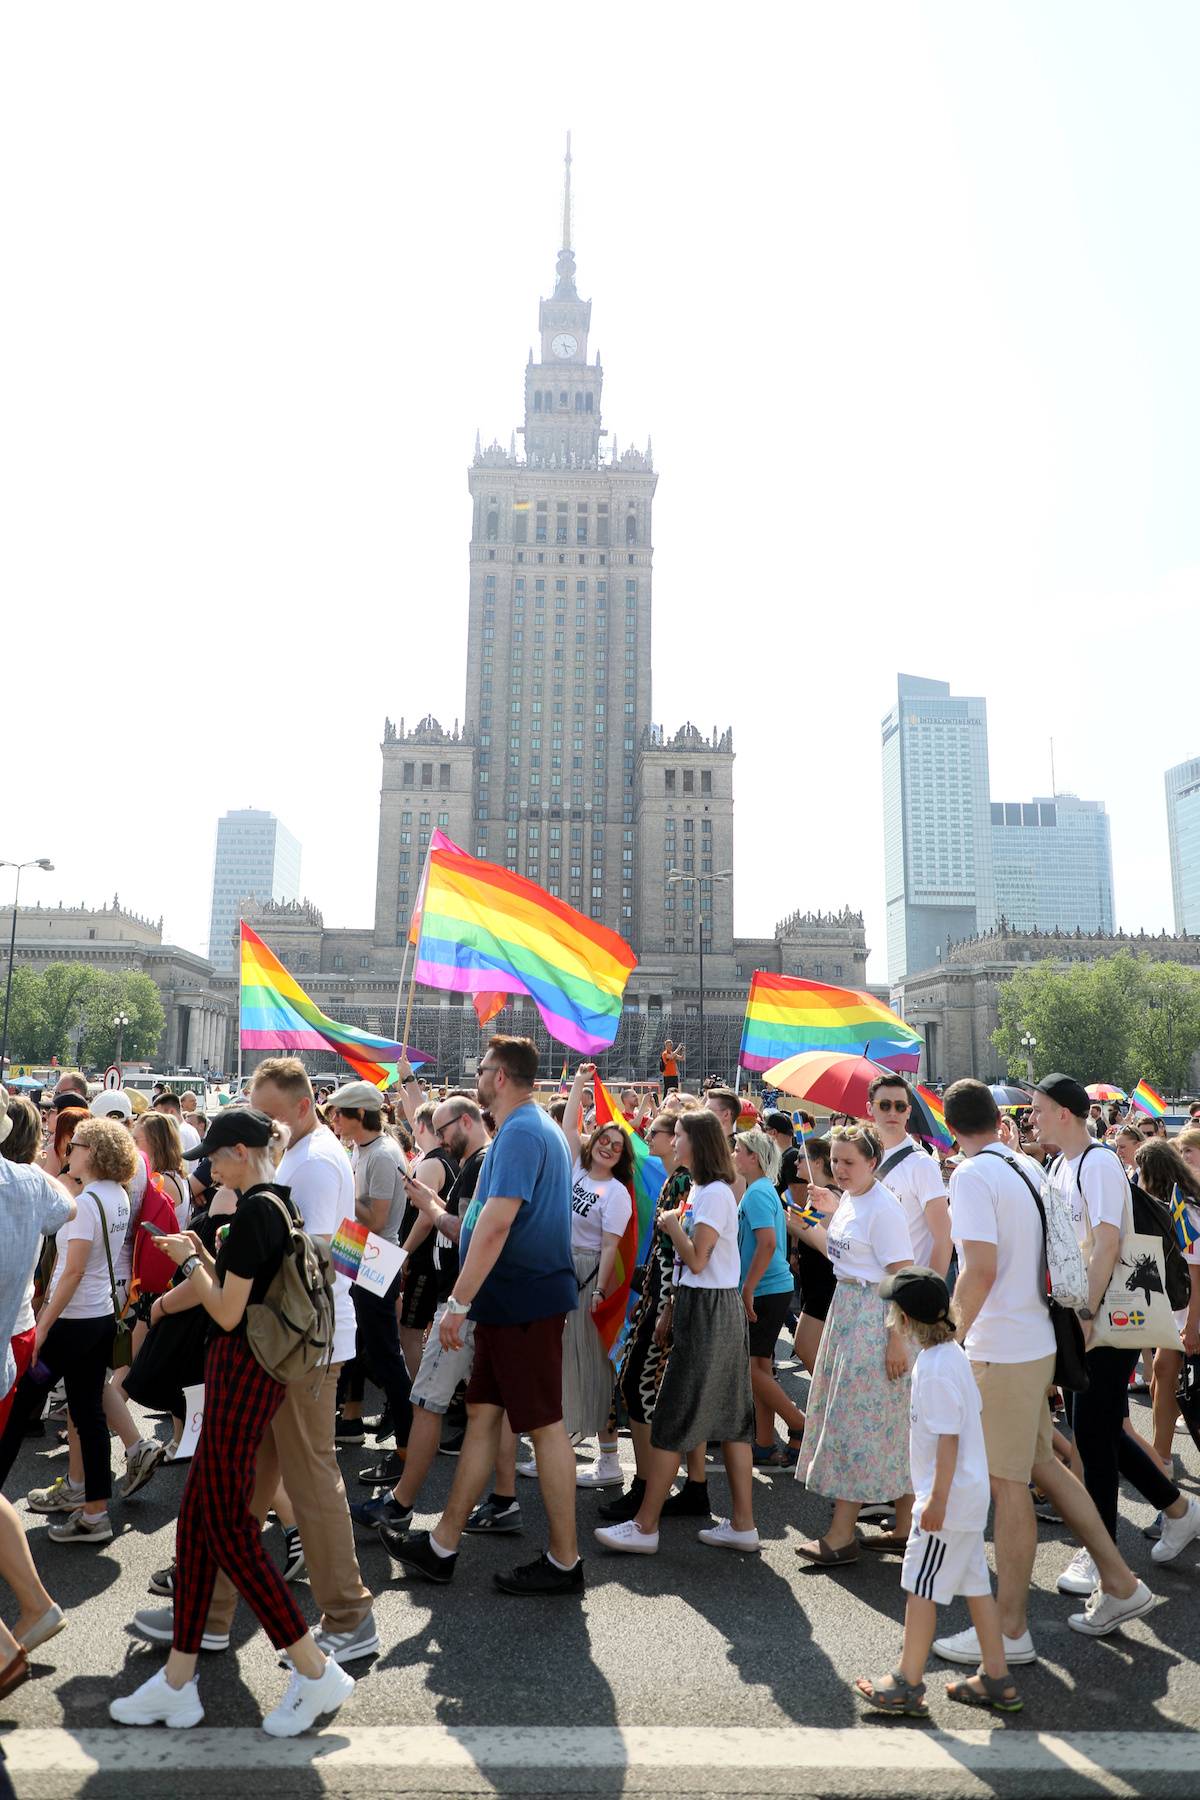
pixel 383 1510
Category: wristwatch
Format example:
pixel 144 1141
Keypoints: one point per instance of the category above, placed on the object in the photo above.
pixel 188 1265
pixel 1085 1312
pixel 458 1307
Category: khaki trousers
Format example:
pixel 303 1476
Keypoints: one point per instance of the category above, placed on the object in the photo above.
pixel 298 1449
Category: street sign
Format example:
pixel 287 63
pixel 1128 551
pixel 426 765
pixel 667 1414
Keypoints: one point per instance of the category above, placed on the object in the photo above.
pixel 112 1077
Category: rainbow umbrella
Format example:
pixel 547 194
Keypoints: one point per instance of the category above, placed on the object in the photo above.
pixel 840 1081
pixel 1102 1090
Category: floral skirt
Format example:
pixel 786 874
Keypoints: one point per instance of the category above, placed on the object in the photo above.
pixel 856 1431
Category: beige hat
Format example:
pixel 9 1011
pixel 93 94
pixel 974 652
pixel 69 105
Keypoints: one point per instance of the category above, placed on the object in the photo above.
pixel 356 1096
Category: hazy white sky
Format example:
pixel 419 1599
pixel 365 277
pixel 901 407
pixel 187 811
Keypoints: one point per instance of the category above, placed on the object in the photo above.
pixel 907 296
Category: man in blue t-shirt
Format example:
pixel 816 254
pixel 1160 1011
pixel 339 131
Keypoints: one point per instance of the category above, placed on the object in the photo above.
pixel 517 1283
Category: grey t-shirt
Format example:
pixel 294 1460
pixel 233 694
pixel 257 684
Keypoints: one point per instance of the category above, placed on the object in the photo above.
pixel 31 1208
pixel 377 1168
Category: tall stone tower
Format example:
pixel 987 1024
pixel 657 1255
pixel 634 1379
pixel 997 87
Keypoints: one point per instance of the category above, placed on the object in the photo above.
pixel 558 657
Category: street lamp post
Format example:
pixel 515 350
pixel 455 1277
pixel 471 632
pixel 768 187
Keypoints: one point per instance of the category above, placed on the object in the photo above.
pixel 37 862
pixel 1029 1045
pixel 677 875
pixel 120 1021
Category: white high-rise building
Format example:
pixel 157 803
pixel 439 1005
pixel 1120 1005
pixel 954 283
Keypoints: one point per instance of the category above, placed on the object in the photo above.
pixel 1183 833
pixel 937 827
pixel 1052 864
pixel 257 859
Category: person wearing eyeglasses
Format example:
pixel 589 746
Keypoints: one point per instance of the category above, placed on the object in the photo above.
pixel 76 1326
pixel 855 1447
pixel 913 1177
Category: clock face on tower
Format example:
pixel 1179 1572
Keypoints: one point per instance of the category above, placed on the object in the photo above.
pixel 564 344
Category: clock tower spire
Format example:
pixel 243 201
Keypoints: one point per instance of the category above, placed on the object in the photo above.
pixel 562 393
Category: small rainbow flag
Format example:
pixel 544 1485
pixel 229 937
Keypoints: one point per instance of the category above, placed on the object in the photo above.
pixel 785 1016
pixel 803 1132
pixel 1185 1231
pixel 1147 1101
pixel 649 1174
pixel 346 1247
pixel 941 1133
pixel 564 1085
pixel 277 1014
pixel 484 929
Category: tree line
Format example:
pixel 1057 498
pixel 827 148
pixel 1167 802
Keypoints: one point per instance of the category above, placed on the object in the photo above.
pixel 66 1010
pixel 1122 1019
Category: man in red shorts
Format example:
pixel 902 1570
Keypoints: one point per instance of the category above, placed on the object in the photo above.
pixel 517 1283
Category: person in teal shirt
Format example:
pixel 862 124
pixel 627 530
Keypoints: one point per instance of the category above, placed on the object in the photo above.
pixel 766 1293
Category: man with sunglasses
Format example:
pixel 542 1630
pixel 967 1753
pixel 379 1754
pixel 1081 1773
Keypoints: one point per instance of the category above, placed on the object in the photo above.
pixel 910 1174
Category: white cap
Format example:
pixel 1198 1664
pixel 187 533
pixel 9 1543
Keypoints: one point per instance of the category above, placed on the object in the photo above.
pixel 112 1103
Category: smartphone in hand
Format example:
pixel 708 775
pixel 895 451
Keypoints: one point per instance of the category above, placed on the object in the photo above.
pixel 154 1230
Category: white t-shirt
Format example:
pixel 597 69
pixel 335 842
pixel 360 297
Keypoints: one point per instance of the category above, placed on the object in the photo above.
pixel 189 1137
pixel 596 1207
pixel 714 1205
pixel 946 1403
pixel 1105 1189
pixel 866 1233
pixel 92 1299
pixel 990 1204
pixel 915 1182
pixel 318 1172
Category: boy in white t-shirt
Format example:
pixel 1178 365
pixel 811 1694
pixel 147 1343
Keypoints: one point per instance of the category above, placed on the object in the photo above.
pixel 944 1556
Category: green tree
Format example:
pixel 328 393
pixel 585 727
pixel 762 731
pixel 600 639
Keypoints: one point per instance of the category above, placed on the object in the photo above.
pixel 126 991
pixel 64 989
pixel 1166 1027
pixel 25 1023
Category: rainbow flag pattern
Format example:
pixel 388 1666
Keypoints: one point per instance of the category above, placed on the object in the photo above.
pixel 346 1247
pixel 1185 1230
pixel 1147 1101
pixel 804 1133
pixel 484 929
pixel 785 1016
pixel 649 1174
pixel 941 1134
pixel 277 1014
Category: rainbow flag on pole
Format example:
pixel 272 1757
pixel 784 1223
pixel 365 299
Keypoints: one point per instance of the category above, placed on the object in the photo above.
pixel 1185 1230
pixel 941 1133
pixel 277 1014
pixel 1147 1101
pixel 649 1174
pixel 487 930
pixel 785 1016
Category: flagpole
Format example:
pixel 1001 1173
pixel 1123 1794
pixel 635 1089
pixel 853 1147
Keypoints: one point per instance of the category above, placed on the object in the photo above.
pixel 238 1089
pixel 400 988
pixel 418 910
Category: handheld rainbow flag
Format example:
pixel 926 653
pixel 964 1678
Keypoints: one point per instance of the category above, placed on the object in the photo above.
pixel 803 1132
pixel 346 1247
pixel 564 1085
pixel 941 1133
pixel 1147 1101
pixel 1185 1231
pixel 649 1174
pixel 785 1016
pixel 277 1014
pixel 486 1003
pixel 484 929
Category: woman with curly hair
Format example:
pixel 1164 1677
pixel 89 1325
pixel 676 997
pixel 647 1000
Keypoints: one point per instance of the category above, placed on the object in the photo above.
pixel 77 1323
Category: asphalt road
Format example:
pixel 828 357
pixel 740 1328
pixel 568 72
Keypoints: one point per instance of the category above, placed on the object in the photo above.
pixel 693 1639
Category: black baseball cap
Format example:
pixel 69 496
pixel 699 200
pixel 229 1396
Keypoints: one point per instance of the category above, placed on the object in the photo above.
pixel 921 1293
pixel 774 1120
pixel 1064 1090
pixel 235 1125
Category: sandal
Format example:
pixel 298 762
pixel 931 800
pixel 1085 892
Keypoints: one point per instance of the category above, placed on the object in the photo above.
pixel 14 1672
pixel 885 1541
pixel 822 1555
pixel 902 1697
pixel 771 1456
pixel 996 1693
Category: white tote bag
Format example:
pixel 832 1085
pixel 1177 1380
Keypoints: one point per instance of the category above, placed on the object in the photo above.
pixel 1135 1313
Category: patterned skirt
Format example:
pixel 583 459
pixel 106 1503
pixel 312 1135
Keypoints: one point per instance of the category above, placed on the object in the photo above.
pixel 706 1390
pixel 856 1434
pixel 587 1371
pixel 644 1362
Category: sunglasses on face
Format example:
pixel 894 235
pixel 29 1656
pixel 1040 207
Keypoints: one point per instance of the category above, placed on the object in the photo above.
pixel 888 1106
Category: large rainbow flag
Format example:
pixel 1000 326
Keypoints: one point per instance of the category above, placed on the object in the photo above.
pixel 277 1014
pixel 487 930
pixel 649 1174
pixel 785 1015
pixel 1147 1101
pixel 942 1135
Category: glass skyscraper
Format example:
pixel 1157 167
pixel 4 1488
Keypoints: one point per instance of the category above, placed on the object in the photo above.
pixel 1052 864
pixel 936 823
pixel 257 859
pixel 1183 833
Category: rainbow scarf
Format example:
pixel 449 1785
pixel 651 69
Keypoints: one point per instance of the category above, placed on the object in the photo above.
pixel 277 1014
pixel 1147 1101
pixel 487 930
pixel 649 1175
pixel 941 1134
pixel 1185 1231
pixel 785 1016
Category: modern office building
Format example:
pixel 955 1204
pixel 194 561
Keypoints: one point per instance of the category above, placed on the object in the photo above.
pixel 937 823
pixel 1052 864
pixel 1183 835
pixel 257 859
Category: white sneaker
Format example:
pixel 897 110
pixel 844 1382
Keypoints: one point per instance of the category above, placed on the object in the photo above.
pixel 141 1460
pixel 528 1469
pixel 627 1537
pixel 156 1702
pixel 1176 1533
pixel 1081 1576
pixel 605 1473
pixel 305 1700
pixel 1105 1613
pixel 722 1536
pixel 963 1648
